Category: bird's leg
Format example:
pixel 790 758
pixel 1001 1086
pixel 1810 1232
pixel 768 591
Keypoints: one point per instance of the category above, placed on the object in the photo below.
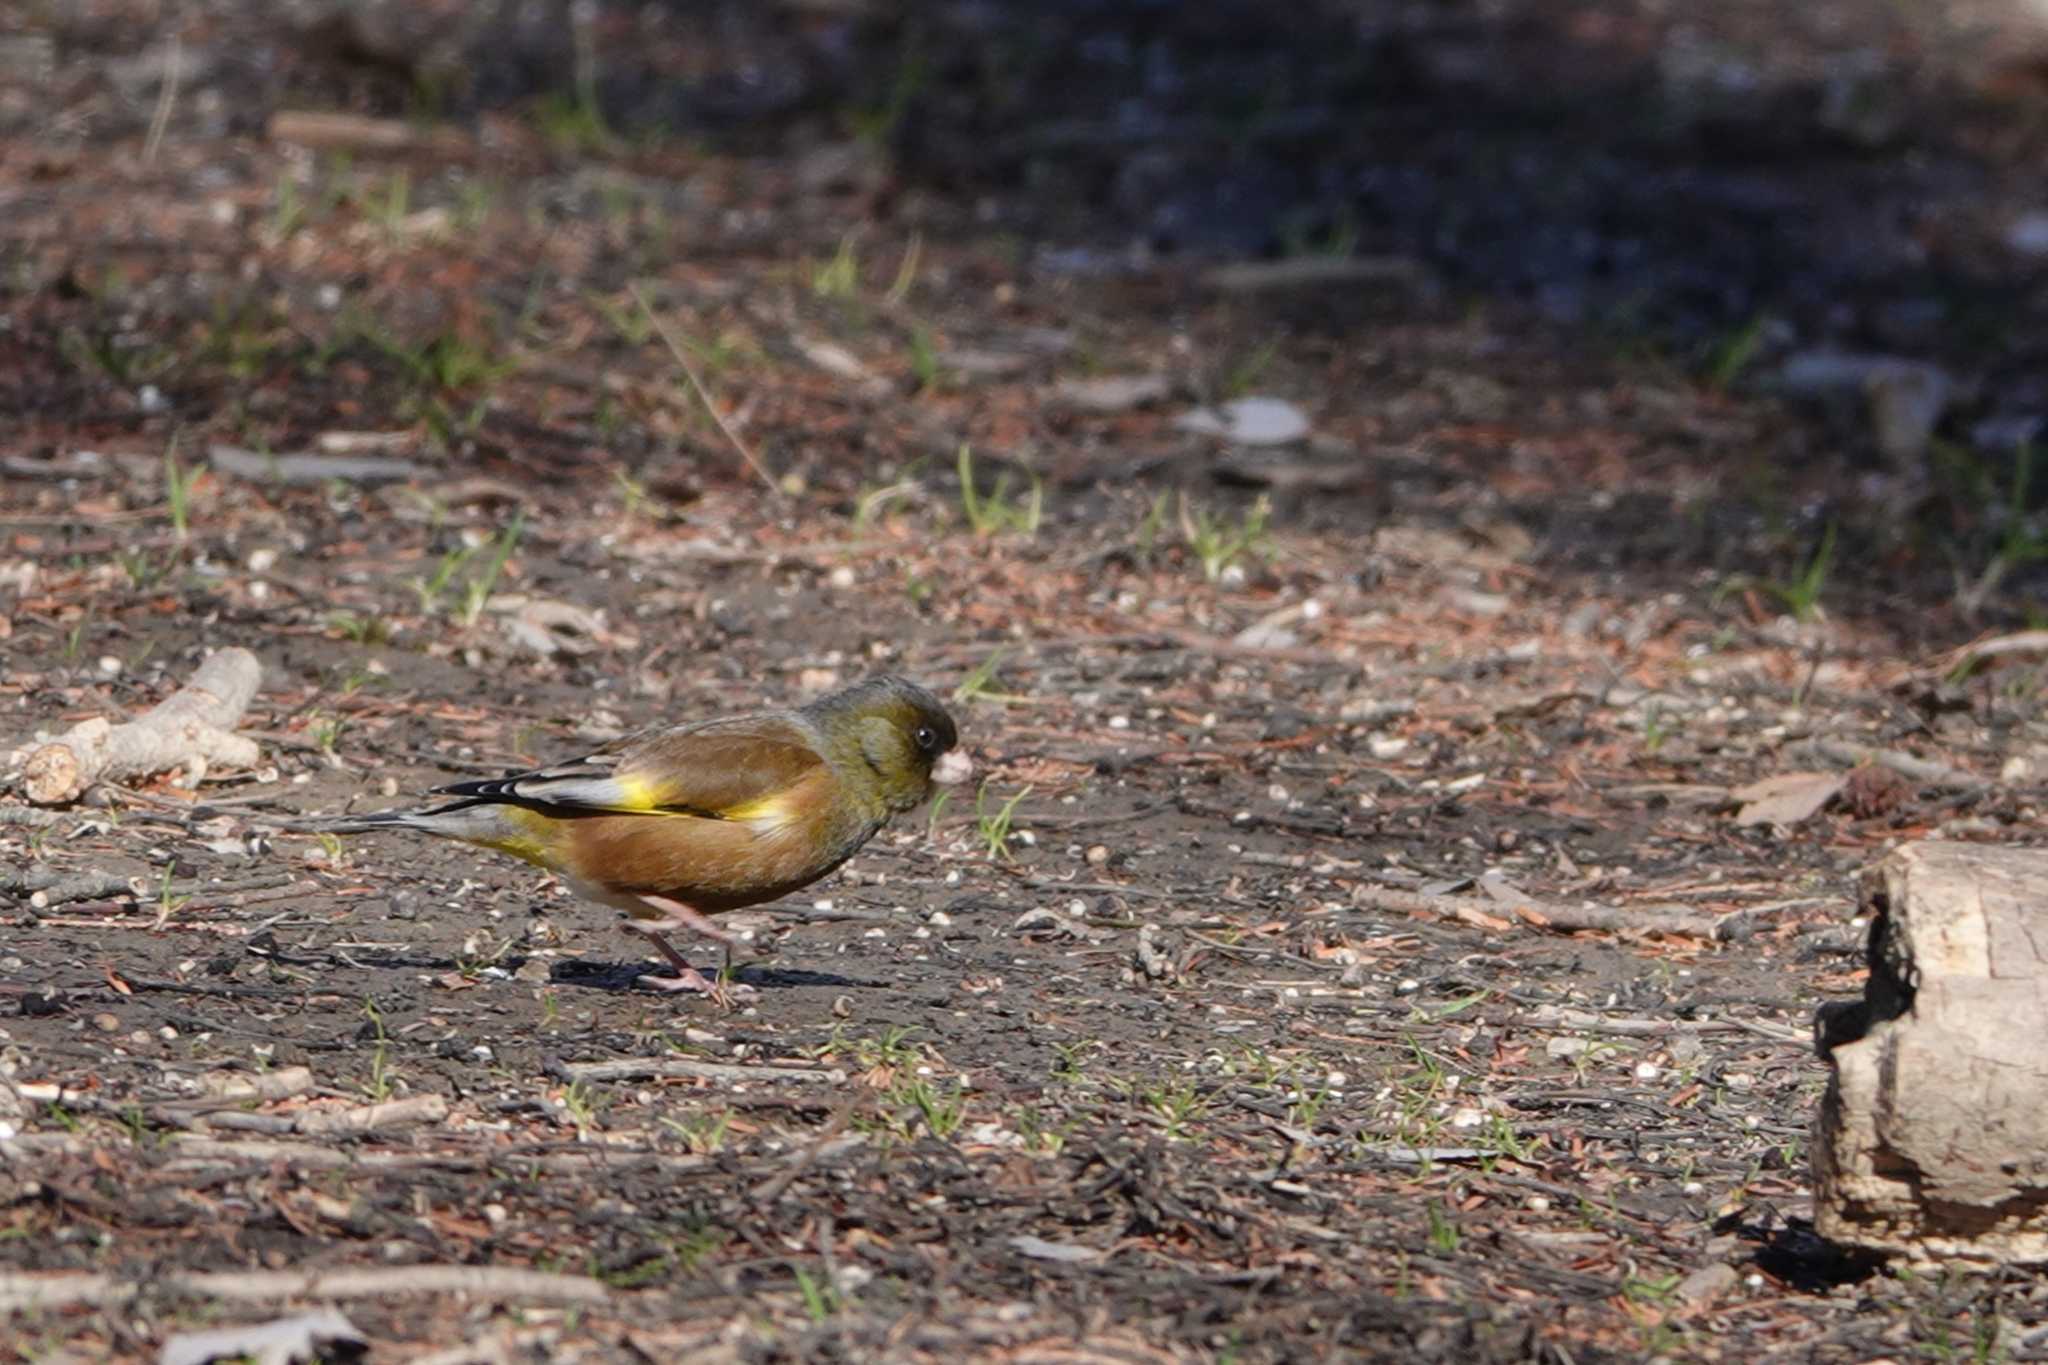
pixel 687 978
pixel 676 915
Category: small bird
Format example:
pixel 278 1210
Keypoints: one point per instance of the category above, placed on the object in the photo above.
pixel 680 822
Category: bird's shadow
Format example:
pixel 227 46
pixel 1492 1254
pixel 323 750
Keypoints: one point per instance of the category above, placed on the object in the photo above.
pixel 626 976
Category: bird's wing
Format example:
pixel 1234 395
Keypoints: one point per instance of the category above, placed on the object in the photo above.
pixel 744 768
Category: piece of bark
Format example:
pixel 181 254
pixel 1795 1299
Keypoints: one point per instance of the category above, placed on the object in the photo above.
pixel 309 468
pixel 372 1118
pixel 327 131
pixel 1932 1139
pixel 191 729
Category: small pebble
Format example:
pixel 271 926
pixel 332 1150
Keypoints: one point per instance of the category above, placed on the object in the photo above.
pixel 841 577
pixel 1097 854
pixel 106 1023
pixel 109 665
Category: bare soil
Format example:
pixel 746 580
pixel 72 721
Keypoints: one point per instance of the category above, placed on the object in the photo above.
pixel 1123 1057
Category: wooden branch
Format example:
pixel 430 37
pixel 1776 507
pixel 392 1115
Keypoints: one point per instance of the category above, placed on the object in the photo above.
pixel 646 1068
pixel 191 728
pixel 372 1118
pixel 1665 920
pixel 496 1283
pixel 323 130
pixel 1922 770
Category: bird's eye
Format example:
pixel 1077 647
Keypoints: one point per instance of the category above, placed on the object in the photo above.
pixel 926 737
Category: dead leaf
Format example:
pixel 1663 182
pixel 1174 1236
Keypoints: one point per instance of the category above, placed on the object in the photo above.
pixel 1785 799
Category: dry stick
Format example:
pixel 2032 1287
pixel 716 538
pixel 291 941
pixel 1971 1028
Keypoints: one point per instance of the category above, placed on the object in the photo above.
pixel 775 1188
pixel 33 1292
pixel 201 1152
pixel 323 131
pixel 1906 765
pixel 644 1068
pixel 166 99
pixel 47 890
pixel 190 728
pixel 682 359
pixel 24 815
pixel 372 1118
pixel 1550 915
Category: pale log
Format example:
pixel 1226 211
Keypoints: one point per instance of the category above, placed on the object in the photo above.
pixel 1932 1139
pixel 190 729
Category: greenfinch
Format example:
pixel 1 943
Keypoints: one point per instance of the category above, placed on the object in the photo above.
pixel 680 822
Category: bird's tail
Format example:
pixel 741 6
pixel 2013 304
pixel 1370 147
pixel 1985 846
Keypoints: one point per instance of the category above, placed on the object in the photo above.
pixel 456 820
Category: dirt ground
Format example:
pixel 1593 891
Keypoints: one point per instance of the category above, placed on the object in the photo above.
pixel 551 427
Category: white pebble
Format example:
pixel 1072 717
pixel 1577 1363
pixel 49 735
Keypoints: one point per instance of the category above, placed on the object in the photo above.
pixel 1119 722
pixel 841 577
pixel 109 665
pixel 1278 793
pixel 1646 1071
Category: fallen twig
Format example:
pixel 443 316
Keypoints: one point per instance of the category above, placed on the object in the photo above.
pixel 1667 921
pixel 372 1118
pixel 682 359
pixel 47 886
pixel 645 1068
pixel 191 728
pixel 47 1292
pixel 208 1153
pixel 310 469
pixel 1922 770
pixel 323 130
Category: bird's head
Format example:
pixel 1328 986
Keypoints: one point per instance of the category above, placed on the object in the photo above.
pixel 898 734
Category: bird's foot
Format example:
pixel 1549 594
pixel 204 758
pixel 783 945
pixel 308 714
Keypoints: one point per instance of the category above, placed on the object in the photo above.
pixel 720 992
pixel 689 979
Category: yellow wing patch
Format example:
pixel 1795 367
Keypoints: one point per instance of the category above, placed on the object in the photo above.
pixel 778 809
pixel 639 796
pixel 636 793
